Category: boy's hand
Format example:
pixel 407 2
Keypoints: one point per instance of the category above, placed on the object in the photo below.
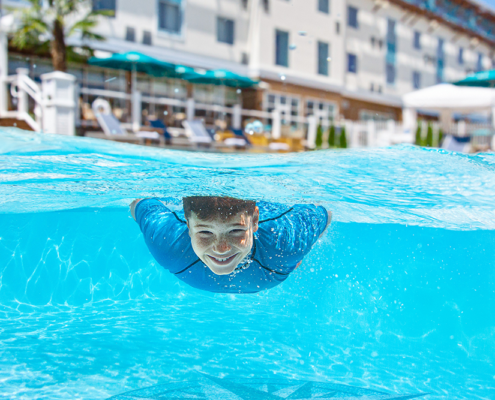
pixel 328 223
pixel 132 207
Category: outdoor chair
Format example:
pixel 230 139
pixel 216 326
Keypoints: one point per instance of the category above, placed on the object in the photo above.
pixel 458 144
pixel 159 124
pixel 197 132
pixel 112 128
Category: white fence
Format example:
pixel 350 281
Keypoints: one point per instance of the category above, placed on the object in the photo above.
pixel 358 133
pixel 51 107
pixel 48 108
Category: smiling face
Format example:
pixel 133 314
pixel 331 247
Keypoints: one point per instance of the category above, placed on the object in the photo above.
pixel 223 244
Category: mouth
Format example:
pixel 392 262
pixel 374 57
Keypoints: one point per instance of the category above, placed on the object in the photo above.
pixel 223 260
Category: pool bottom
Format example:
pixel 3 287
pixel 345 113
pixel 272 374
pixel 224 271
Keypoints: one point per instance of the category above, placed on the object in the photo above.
pixel 210 388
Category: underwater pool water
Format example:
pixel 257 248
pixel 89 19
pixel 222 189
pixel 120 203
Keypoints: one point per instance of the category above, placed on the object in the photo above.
pixel 398 296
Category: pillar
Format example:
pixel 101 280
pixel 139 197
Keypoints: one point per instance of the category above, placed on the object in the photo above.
pixel 312 127
pixel 59 107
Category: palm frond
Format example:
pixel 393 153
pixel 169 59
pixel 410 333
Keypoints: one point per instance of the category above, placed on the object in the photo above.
pixel 31 27
pixel 85 26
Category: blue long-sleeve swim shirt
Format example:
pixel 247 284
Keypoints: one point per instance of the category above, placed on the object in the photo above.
pixel 285 236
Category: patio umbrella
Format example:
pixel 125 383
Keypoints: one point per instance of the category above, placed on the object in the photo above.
pixel 136 62
pixel 480 79
pixel 220 77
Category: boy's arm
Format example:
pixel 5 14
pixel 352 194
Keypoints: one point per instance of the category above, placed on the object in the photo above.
pixel 328 224
pixel 134 204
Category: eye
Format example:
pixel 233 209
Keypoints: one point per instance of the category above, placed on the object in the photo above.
pixel 237 231
pixel 205 233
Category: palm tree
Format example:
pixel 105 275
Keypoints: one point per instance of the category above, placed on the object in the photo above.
pixel 47 25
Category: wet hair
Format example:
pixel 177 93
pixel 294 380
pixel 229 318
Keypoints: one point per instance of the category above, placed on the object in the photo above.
pixel 208 208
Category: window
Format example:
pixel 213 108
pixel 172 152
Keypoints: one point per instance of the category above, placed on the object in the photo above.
pixel 460 56
pixel 391 31
pixel 440 61
pixel 372 87
pixel 390 72
pixel 337 27
pixel 479 64
pixel 170 15
pixel 288 106
pixel 225 30
pixel 417 40
pixel 416 80
pixel 245 58
pixel 370 115
pixel 266 5
pixel 373 41
pixel 324 6
pixel 282 48
pixel 352 63
pixel 323 110
pixel 130 34
pixel 323 55
pixel 147 38
pixel 352 17
pixel 390 69
pixel 106 5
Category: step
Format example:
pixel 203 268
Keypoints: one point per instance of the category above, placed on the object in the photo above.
pixel 15 123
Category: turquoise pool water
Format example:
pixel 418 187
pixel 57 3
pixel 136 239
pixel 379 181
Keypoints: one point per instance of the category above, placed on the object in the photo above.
pixel 398 296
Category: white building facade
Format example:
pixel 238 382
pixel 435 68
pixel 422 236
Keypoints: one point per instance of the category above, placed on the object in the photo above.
pixel 329 58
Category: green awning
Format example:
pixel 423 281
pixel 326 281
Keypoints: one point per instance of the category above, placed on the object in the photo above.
pixel 138 62
pixel 219 77
pixel 134 61
pixel 480 79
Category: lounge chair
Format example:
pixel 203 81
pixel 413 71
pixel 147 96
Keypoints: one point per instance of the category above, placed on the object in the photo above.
pixel 239 133
pixel 112 128
pixel 459 144
pixel 197 132
pixel 159 124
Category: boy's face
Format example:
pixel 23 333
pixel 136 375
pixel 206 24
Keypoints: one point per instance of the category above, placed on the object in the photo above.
pixel 222 245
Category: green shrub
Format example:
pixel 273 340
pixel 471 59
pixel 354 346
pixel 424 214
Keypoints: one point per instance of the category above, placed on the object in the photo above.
pixel 343 138
pixel 418 135
pixel 319 137
pixel 429 136
pixel 331 136
pixel 440 137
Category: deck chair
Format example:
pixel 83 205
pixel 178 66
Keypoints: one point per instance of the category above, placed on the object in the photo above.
pixel 112 128
pixel 239 133
pixel 458 144
pixel 197 132
pixel 159 124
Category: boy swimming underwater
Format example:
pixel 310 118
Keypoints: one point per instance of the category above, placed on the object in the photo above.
pixel 227 245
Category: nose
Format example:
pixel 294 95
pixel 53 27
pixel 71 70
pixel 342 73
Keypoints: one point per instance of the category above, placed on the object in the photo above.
pixel 222 246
